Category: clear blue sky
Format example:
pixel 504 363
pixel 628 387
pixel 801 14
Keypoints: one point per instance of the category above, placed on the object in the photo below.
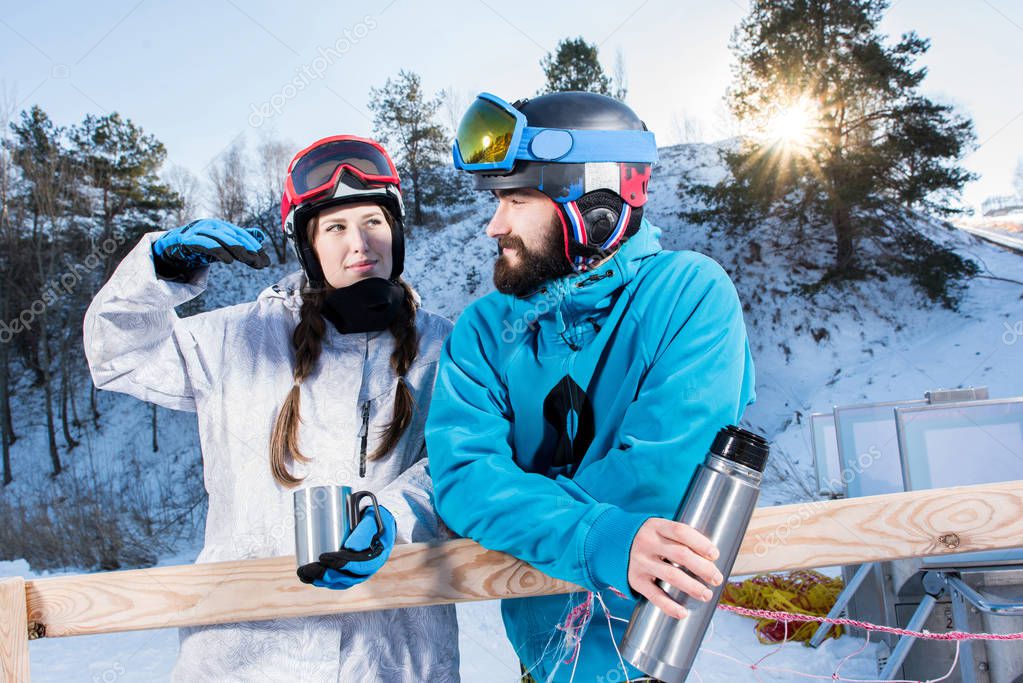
pixel 193 73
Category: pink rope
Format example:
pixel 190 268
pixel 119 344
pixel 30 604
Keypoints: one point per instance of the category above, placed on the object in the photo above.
pixel 579 617
pixel 854 653
pixel 835 675
pixel 617 592
pixel 576 622
pixel 789 616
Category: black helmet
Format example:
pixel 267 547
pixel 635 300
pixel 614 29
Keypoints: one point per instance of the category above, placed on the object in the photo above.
pixel 589 153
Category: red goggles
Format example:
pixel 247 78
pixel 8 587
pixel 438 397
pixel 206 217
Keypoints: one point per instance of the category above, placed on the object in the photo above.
pixel 316 168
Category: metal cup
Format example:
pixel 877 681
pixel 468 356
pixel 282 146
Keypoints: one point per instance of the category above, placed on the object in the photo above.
pixel 324 518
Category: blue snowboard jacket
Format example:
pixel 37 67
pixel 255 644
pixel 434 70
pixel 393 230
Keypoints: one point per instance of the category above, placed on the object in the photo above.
pixel 562 421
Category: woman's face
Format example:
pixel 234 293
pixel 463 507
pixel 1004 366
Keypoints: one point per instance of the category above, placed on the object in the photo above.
pixel 352 242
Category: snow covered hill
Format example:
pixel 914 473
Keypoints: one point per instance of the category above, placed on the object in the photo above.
pixel 869 340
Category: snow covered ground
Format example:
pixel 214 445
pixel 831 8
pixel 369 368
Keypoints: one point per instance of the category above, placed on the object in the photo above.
pixel 866 341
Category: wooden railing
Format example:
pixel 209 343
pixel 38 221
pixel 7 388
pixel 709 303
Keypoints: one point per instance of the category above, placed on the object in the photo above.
pixel 814 534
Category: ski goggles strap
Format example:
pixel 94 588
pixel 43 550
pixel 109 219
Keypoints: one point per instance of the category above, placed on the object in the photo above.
pixel 316 169
pixel 493 135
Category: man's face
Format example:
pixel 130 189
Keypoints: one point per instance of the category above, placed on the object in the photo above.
pixel 530 241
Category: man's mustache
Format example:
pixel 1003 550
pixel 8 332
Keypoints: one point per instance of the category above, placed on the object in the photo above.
pixel 510 242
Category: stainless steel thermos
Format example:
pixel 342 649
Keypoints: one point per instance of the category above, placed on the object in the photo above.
pixel 324 517
pixel 718 503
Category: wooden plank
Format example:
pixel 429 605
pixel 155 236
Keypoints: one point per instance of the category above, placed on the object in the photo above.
pixel 812 534
pixel 888 527
pixel 415 574
pixel 14 661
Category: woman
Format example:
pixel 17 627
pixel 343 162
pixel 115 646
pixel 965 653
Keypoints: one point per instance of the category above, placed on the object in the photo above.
pixel 324 379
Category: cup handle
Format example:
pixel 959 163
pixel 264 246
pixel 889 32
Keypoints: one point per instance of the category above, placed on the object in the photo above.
pixel 342 556
pixel 376 546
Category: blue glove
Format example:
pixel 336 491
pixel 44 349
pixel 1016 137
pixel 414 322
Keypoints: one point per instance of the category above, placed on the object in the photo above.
pixel 207 240
pixel 340 571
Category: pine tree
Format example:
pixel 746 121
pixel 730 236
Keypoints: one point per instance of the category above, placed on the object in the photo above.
pixel 406 117
pixel 50 197
pixel 840 139
pixel 574 66
pixel 122 162
pixel 73 199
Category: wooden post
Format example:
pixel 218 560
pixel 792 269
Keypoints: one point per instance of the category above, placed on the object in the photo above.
pixel 14 662
pixel 812 534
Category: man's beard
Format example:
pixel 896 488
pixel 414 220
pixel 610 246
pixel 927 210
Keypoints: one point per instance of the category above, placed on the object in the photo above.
pixel 533 267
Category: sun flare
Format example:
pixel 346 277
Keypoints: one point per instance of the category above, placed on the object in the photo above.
pixel 794 126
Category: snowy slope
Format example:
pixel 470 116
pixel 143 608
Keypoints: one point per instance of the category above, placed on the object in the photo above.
pixel 877 341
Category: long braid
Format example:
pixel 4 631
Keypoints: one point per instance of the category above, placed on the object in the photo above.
pixel 308 342
pixel 405 349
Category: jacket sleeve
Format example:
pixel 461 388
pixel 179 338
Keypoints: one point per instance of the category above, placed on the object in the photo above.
pixel 560 526
pixel 134 341
pixel 409 498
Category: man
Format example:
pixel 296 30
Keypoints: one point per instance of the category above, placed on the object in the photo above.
pixel 573 405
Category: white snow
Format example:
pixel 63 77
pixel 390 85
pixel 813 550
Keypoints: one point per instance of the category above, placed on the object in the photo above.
pixel 883 342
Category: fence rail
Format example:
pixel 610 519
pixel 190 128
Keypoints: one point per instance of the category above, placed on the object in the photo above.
pixel 812 534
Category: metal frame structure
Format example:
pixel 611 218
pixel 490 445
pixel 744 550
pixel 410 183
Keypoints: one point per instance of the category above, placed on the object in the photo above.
pixel 935 581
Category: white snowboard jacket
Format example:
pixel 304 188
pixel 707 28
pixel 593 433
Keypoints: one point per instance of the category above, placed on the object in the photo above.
pixel 233 367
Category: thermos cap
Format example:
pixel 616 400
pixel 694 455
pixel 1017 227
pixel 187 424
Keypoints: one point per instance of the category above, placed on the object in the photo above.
pixel 741 446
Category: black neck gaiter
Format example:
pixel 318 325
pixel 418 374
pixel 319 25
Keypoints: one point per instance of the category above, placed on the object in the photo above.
pixel 369 305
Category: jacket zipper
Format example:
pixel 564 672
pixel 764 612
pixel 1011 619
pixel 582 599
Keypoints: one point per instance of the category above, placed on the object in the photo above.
pixel 595 277
pixel 364 437
pixel 571 402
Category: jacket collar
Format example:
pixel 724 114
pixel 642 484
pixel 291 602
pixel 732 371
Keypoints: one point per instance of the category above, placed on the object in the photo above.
pixel 563 302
